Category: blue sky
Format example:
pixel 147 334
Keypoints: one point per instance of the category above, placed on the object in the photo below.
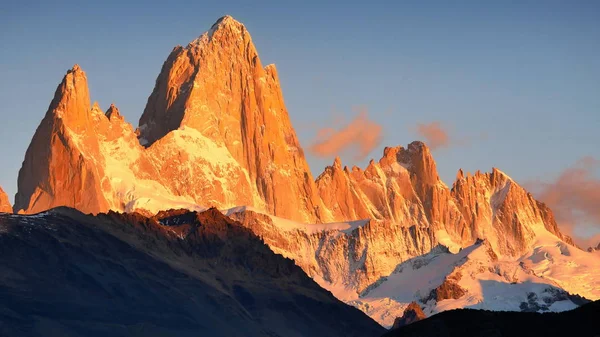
pixel 519 80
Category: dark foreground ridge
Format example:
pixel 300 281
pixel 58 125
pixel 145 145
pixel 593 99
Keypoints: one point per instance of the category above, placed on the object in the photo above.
pixel 179 273
pixel 582 322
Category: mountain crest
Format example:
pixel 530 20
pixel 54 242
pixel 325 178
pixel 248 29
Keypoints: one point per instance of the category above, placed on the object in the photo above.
pixel 218 87
pixel 227 22
pixel 56 171
pixel 72 100
pixel 337 162
pixel 215 112
pixel 113 112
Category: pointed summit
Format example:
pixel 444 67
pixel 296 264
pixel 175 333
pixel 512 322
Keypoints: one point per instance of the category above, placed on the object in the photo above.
pixel 418 160
pixel 217 87
pixel 337 162
pixel 225 27
pixel 460 174
pixel 200 72
pixel 75 68
pixel 72 100
pixel 226 21
pixel 113 112
pixel 54 171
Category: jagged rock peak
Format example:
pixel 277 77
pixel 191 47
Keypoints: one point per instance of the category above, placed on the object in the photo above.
pixel 500 174
pixel 222 62
pixel 72 99
pixel 217 88
pixel 337 162
pixel 5 206
pixel 96 106
pixel 417 145
pixel 76 68
pixel 226 21
pixel 226 25
pixel 113 112
pixel 55 170
pixel 391 152
pixel 419 161
pixel 496 176
pixel 460 174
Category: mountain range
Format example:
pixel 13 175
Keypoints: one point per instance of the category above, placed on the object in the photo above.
pixel 215 134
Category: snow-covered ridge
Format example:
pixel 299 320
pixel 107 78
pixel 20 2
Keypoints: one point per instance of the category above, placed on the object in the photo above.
pixel 549 277
pixel 488 283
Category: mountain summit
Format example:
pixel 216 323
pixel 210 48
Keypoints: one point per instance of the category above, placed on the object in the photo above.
pixel 56 170
pixel 217 87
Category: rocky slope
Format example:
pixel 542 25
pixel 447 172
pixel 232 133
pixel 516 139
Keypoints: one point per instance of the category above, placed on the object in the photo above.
pixel 408 211
pixel 217 86
pixel 178 273
pixel 404 187
pixel 4 202
pixel 466 322
pixel 56 171
pixel 350 258
pixel 545 279
pixel 381 267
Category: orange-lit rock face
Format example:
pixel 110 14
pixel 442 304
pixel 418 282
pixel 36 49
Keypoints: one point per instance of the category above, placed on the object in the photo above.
pixel 5 206
pixel 218 86
pixel 354 260
pixel 495 207
pixel 55 170
pixel 216 132
pixel 90 160
pixel 404 187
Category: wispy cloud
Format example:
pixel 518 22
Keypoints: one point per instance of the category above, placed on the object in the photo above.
pixel 360 136
pixel 574 197
pixel 437 135
pixel 434 134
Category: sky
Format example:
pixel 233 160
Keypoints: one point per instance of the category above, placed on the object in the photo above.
pixel 507 84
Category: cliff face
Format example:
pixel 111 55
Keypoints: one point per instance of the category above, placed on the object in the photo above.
pixel 496 208
pixel 217 86
pixel 215 132
pixel 56 170
pixel 403 187
pixel 353 258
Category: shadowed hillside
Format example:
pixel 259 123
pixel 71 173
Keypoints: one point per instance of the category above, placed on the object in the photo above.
pixel 179 273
